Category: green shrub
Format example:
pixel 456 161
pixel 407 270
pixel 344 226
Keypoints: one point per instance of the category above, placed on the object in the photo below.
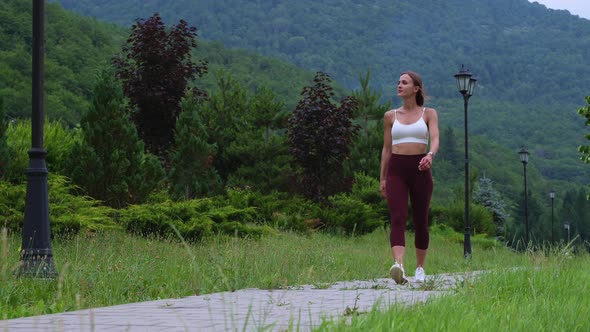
pixel 12 205
pixel 349 216
pixel 482 240
pixel 191 220
pixel 480 218
pixel 68 213
pixel 58 141
pixel 109 162
pixel 366 190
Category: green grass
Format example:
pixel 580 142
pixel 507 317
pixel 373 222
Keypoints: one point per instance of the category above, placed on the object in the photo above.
pixel 548 293
pixel 110 267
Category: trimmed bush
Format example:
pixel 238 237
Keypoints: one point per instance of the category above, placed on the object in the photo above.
pixel 68 213
pixel 480 218
pixel 349 216
pixel 191 220
pixel 57 140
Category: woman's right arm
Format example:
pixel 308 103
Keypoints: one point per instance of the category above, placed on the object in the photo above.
pixel 386 151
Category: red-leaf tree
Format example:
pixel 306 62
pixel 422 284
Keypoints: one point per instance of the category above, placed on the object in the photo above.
pixel 155 67
pixel 320 137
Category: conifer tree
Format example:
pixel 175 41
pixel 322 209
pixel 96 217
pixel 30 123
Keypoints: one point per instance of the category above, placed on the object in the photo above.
pixel 538 230
pixel 267 111
pixel 109 162
pixel 574 211
pixel 192 174
pixel 449 150
pixel 225 115
pixel 366 150
pixel 260 150
pixel 367 104
pixel 486 196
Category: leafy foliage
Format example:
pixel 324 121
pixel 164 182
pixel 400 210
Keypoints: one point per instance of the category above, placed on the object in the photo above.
pixel 108 162
pixel 155 68
pixel 480 218
pixel 58 141
pixel 320 136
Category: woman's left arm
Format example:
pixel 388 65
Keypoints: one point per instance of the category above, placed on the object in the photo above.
pixel 432 123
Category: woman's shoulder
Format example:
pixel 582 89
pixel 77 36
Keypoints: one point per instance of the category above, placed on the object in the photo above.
pixel 389 113
pixel 388 117
pixel 430 115
pixel 429 111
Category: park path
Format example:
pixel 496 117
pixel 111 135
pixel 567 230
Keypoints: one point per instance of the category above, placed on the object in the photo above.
pixel 298 308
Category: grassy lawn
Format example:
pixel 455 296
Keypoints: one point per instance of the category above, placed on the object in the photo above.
pixel 113 268
pixel 547 293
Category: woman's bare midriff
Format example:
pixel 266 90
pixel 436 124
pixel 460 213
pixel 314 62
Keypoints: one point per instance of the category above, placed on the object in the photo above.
pixel 409 148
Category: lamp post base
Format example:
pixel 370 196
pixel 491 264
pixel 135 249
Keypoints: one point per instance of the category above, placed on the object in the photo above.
pixel 37 265
pixel 36 254
pixel 467 246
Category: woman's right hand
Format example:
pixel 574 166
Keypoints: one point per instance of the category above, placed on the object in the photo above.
pixel 382 187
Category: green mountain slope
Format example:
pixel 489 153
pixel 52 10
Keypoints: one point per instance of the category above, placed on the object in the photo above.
pixel 516 48
pixel 77 47
pixel 529 60
pixel 74 47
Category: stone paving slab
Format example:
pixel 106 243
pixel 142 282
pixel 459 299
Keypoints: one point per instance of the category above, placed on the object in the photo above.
pixel 299 308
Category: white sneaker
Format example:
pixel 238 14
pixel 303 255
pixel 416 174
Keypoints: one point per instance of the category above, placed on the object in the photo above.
pixel 420 274
pixel 398 274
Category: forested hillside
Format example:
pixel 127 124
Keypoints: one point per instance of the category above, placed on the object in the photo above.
pixel 75 46
pixel 529 60
pixel 78 47
pixel 517 49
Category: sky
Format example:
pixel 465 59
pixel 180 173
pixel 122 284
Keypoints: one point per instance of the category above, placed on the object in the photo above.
pixel 576 7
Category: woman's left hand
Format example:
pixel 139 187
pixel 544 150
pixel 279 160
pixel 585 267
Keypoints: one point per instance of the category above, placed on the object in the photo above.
pixel 425 163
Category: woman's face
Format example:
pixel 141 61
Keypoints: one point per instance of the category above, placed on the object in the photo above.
pixel 406 87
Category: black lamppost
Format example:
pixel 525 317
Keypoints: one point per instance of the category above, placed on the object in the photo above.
pixel 552 196
pixel 36 255
pixel 466 84
pixel 524 158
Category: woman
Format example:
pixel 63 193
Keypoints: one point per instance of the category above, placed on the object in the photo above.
pixel 406 160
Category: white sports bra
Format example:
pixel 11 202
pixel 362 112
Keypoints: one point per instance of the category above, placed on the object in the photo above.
pixel 416 132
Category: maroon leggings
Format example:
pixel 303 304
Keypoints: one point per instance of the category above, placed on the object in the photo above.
pixel 403 178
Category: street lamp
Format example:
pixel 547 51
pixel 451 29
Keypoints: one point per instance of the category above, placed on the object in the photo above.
pixel 552 196
pixel 524 158
pixel 36 255
pixel 466 84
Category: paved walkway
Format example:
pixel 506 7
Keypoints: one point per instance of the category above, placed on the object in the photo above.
pixel 294 309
